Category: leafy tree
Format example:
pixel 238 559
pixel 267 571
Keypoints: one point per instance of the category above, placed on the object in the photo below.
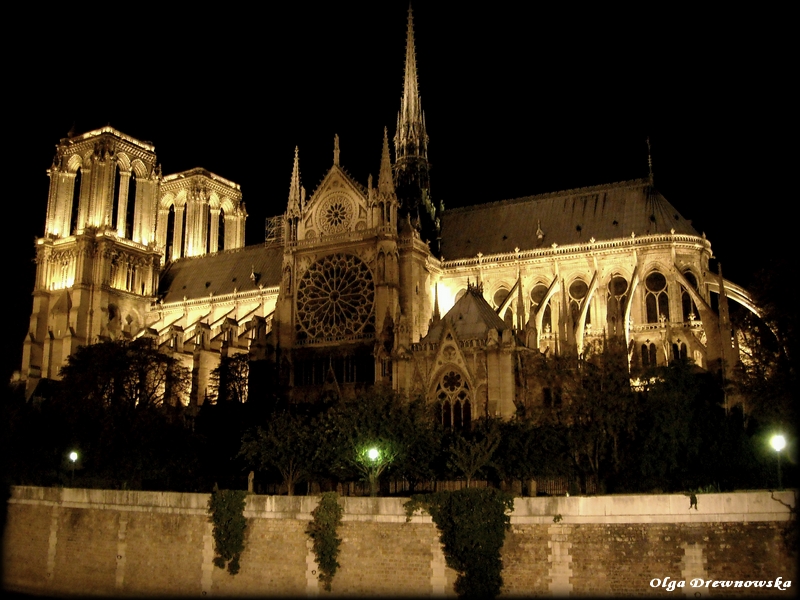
pixel 471 452
pixel 596 412
pixel 120 405
pixel 286 444
pixel 529 451
pixel 228 382
pixel 601 413
pixel 378 418
pixel 124 376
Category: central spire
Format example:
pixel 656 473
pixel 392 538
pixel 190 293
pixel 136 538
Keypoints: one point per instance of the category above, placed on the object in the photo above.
pixel 411 139
pixel 411 168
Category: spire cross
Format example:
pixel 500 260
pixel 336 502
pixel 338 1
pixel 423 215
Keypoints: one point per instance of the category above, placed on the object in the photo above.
pixel 336 149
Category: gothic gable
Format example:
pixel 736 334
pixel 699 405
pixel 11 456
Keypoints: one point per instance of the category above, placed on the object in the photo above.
pixel 448 357
pixel 338 206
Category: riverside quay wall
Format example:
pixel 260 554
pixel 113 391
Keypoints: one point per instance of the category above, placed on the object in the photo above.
pixel 123 543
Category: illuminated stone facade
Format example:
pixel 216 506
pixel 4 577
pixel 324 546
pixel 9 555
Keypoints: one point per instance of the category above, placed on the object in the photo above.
pixel 359 284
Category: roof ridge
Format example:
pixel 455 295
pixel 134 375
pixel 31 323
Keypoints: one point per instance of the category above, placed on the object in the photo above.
pixel 220 253
pixel 570 192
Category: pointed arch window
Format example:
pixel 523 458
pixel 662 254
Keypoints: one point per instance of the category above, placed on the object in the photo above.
pixel 76 199
pixel 578 290
pixel 656 298
pixel 617 297
pixel 538 294
pixel 170 232
pixel 687 304
pixel 454 397
pixel 649 355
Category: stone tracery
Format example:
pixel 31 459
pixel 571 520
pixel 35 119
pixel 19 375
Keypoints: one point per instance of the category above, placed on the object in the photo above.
pixel 335 297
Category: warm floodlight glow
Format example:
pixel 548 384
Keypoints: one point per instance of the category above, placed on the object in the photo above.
pixel 73 456
pixel 778 442
pixel 373 454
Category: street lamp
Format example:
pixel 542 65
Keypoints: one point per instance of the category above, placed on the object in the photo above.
pixel 73 456
pixel 778 443
pixel 373 454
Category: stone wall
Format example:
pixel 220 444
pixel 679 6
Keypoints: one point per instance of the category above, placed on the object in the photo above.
pixel 105 542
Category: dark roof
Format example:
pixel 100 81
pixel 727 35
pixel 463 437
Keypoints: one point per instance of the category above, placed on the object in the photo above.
pixel 602 212
pixel 221 273
pixel 471 318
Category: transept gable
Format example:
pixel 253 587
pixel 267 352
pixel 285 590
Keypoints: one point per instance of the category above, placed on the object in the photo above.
pixel 448 357
pixel 338 205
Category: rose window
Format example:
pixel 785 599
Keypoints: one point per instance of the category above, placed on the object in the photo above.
pixel 335 297
pixel 336 214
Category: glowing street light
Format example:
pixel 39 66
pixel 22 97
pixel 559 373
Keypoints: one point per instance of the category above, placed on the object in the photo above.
pixel 778 443
pixel 373 454
pixel 73 456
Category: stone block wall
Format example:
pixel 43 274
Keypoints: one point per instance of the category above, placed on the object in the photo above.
pixel 118 543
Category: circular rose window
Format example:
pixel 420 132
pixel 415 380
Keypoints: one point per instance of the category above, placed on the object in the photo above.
pixel 335 297
pixel 335 214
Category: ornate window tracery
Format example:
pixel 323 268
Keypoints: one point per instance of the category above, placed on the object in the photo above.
pixel 453 395
pixel 335 297
pixel 335 214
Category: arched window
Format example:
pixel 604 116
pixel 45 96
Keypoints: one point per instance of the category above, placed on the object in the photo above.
pixel 221 230
pixel 617 296
pixel 649 355
pixel 115 197
pixel 538 294
pixel 657 298
pixel 453 395
pixel 170 232
pixel 130 207
pixel 578 291
pixel 687 304
pixel 76 198
pixel 500 296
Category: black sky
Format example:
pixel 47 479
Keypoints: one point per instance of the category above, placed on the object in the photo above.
pixel 518 101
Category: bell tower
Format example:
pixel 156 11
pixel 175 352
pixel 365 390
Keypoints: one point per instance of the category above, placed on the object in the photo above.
pixel 97 263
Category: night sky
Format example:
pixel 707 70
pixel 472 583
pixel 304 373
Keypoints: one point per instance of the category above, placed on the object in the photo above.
pixel 518 101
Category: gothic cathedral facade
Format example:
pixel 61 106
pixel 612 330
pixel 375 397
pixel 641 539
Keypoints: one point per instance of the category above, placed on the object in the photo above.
pixel 363 284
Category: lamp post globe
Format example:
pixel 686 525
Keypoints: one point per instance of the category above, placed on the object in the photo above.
pixel 778 443
pixel 73 456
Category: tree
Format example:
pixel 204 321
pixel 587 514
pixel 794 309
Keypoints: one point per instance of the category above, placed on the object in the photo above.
pixel 593 408
pixel 286 444
pixel 472 452
pixel 121 405
pixel 228 382
pixel 378 419
pixel 125 376
pixel 529 451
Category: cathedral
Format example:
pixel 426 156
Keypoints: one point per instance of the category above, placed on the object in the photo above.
pixel 359 283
